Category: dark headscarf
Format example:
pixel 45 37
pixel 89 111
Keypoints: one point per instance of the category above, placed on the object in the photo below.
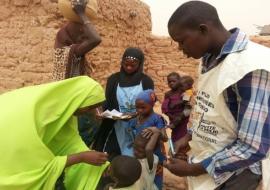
pixel 135 78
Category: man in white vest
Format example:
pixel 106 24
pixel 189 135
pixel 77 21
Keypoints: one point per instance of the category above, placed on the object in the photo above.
pixel 230 132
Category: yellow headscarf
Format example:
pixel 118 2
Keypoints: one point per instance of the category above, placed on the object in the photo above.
pixel 38 131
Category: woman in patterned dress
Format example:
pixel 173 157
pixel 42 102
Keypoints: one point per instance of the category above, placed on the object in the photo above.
pixel 72 42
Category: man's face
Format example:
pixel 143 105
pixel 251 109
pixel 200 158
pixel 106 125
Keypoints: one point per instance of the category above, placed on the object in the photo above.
pixel 193 43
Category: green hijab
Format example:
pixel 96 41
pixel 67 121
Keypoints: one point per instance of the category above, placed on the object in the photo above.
pixel 38 131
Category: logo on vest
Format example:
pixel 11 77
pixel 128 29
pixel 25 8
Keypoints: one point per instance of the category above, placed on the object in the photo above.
pixel 208 127
pixel 205 129
pixel 203 101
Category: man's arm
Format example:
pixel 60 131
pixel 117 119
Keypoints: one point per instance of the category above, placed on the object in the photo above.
pixel 93 38
pixel 253 141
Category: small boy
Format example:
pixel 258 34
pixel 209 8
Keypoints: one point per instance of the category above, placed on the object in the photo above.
pixel 124 171
pixel 144 147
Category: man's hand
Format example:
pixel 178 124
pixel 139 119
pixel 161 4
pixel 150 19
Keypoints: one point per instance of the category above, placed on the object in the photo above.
pixel 181 156
pixel 177 167
pixel 181 168
pixel 182 144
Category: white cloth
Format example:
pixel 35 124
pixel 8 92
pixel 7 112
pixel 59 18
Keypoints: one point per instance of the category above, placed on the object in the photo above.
pixel 146 181
pixel 266 173
pixel 213 125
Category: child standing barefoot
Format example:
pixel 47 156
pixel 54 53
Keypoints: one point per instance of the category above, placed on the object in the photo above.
pixel 148 118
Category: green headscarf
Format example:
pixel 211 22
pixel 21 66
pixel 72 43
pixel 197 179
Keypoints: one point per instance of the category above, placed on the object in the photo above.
pixel 38 131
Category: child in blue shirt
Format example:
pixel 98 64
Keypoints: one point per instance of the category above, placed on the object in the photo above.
pixel 146 118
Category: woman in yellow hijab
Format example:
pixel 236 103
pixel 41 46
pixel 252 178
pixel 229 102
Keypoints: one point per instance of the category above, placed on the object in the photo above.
pixel 39 137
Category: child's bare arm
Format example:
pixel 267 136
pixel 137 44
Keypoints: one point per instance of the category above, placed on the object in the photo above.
pixel 150 147
pixel 164 136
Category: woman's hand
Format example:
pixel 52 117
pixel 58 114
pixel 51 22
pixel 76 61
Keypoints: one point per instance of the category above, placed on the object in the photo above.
pixel 89 157
pixel 94 157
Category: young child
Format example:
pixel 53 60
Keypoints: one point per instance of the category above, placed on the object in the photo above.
pixel 144 146
pixel 148 118
pixel 187 84
pixel 125 172
pixel 176 104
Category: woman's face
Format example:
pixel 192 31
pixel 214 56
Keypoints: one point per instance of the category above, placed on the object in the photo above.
pixel 90 109
pixel 130 66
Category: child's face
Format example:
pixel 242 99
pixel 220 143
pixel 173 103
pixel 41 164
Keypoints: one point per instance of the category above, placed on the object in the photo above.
pixel 143 109
pixel 173 82
pixel 187 84
pixel 139 149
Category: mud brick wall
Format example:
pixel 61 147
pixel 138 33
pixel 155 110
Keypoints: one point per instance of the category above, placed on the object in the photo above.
pixel 27 33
